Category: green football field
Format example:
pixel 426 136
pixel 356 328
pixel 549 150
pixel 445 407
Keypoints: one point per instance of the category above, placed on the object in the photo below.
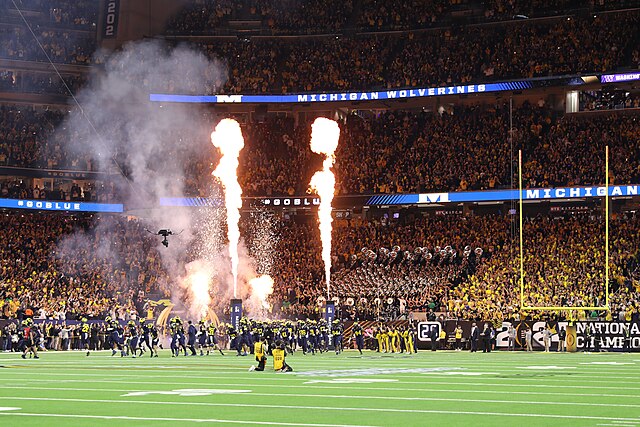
pixel 443 388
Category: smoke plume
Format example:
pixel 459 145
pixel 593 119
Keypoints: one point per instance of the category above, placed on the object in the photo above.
pixel 145 150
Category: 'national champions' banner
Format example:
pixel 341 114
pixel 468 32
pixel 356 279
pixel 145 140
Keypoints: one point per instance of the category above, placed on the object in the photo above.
pixel 610 335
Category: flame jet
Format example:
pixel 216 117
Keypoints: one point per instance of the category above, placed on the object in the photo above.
pixel 324 140
pixel 227 137
pixel 261 288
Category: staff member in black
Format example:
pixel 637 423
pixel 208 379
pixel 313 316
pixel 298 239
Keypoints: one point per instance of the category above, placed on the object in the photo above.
pixel 357 332
pixel 562 337
pixel 486 338
pixel 475 334
pixel 434 335
pixel 597 340
pixel 587 338
pixel 626 332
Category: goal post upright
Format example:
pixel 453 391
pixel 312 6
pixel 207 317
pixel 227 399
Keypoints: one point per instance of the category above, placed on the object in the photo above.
pixel 606 226
pixel 520 208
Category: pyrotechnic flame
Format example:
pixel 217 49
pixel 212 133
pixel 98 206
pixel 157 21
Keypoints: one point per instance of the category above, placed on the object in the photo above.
pixel 324 140
pixel 261 288
pixel 227 137
pixel 198 281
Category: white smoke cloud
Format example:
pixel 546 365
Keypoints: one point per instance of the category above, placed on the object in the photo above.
pixel 149 143
pixel 123 133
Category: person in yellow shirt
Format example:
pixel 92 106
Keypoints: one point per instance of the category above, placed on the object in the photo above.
pixel 385 340
pixel 259 350
pixel 458 335
pixel 279 363
pixel 378 337
pixel 394 343
pixel 443 338
pixel 408 340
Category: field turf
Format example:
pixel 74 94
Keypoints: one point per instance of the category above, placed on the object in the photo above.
pixel 443 388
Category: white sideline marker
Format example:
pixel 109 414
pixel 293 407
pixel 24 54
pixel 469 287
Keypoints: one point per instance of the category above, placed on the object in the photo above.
pixel 542 368
pixel 352 381
pixel 607 363
pixel 192 420
pixel 187 392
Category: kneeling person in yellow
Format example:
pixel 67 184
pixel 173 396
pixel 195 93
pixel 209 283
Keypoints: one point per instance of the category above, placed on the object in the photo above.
pixel 259 350
pixel 279 364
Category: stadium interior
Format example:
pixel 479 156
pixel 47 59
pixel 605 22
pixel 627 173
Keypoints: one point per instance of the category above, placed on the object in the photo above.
pixel 487 168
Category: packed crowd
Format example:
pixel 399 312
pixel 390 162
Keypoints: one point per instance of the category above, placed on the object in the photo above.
pixel 285 16
pixel 41 83
pixel 28 139
pixel 201 16
pixel 67 191
pixel 64 28
pixel 59 45
pixel 69 13
pixel 453 55
pixel 327 16
pixel 462 149
pixel 459 54
pixel 403 15
pixel 64 267
pixel 59 336
pixel 392 280
pixel 59 267
pixel 564 266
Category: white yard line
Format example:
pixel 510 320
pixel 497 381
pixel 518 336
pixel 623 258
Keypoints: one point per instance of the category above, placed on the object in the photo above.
pixel 620 424
pixel 131 363
pixel 420 411
pixel 577 375
pixel 327 396
pixel 192 420
pixel 280 386
pixel 281 378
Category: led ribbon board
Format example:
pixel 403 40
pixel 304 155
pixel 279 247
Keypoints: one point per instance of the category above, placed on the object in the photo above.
pixel 50 205
pixel 534 194
pixel 617 78
pixel 304 98
pixel 376 95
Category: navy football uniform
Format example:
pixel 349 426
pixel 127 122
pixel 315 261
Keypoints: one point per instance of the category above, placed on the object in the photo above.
pixel 336 331
pixel 85 330
pixel 358 334
pixel 192 333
